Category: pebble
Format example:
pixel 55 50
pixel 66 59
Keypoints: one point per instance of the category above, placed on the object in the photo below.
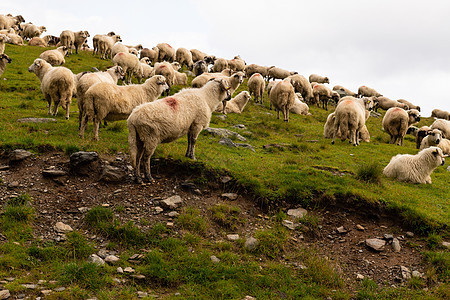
pixel 289 224
pixel 232 237
pixel 94 258
pixel 119 270
pixel 142 294
pixel 138 276
pixel 30 286
pixel 214 259
pixel 406 273
pixel 410 234
pixel 46 292
pixel 396 245
pixel 129 270
pixel 341 230
pixel 111 259
pixel 173 214
pixel 60 289
pixel 169 224
pixel 375 244
pixel 298 212
pixel 446 244
pixel 172 202
pixel 230 196
pixel 359 276
pixel 158 210
pixel 388 237
pixel 251 243
pixel 63 228
pixel 360 228
pixel 4 294
pixel 417 274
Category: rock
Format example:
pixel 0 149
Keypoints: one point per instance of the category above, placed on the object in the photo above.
pixel 94 258
pixel 46 292
pixel 113 174
pixel 10 279
pixel 232 237
pixel 129 270
pixel 172 202
pixel 21 296
pixel 249 298
pixel 4 168
pixel 396 245
pixel 417 274
pixel 289 224
pixel 410 234
pixel 84 163
pixel 359 276
pixel 119 270
pixel 240 126
pixel 5 294
pixel 222 117
pixel 169 224
pixel 30 286
pixel 36 120
pixel 13 184
pixel 142 294
pixel 225 179
pixel 375 244
pixel 19 155
pixel 227 142
pixel 448 169
pixel 103 253
pixel 137 276
pixel 111 259
pixel 406 273
pixel 63 228
pixel 298 212
pixel 446 244
pixel 388 237
pixel 53 173
pixel 360 228
pixel 60 289
pixel 230 196
pixel 225 133
pixel 214 259
pixel 173 214
pixel 251 243
pixel 341 230
pixel 158 210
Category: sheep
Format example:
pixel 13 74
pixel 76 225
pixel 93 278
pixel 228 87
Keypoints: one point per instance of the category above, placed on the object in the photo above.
pixel 32 31
pixel 234 80
pixel 200 67
pixel 269 87
pixel 433 138
pixel 15 39
pixel 443 126
pixel 302 86
pixel 111 75
pixel 220 64
pixel 165 120
pixel 278 73
pixel 4 59
pixel 415 168
pixel 165 69
pixel 129 63
pixel 328 130
pixel 150 53
pixel 210 59
pixel 56 56
pixel 236 64
pixel 3 40
pixel 202 79
pixel 107 101
pixel 6 22
pixel 73 39
pixel 282 97
pixel 138 47
pixel 410 105
pixel 386 103
pixel 364 91
pixel 396 122
pixel 299 107
pixel 180 78
pixel 184 57
pixel 440 114
pixel 105 44
pixel 324 94
pixel 256 86
pixel 118 47
pixel 197 55
pixel 166 52
pixel 96 39
pixel 343 91
pixel 444 145
pixel 57 84
pixel 253 68
pixel 420 133
pixel 318 79
pixel 235 105
pixel 37 41
pixel 350 117
pixel 146 69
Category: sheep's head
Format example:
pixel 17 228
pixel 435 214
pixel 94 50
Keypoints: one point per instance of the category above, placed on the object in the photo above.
pixel 118 38
pixel 438 155
pixel 160 80
pixel 119 70
pixel 133 51
pixel 111 33
pixel 369 103
pixel 327 80
pixel 37 65
pixel 64 50
pixel 224 86
pixel 5 57
pixel 176 65
pixel 414 116
pixel 239 76
pixel 435 136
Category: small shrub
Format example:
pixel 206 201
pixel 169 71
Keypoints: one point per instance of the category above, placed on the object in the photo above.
pixel 77 247
pixel 87 275
pixel 98 216
pixel 18 209
pixel 70 149
pixel 415 283
pixel 191 220
pixel 434 241
pixel 369 173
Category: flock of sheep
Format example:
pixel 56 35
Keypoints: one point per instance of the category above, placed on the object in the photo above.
pixel 152 121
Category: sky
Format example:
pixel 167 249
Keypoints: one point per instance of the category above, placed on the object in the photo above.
pixel 400 48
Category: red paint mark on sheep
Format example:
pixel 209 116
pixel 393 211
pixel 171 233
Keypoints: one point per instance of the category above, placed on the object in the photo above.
pixel 169 45
pixel 172 102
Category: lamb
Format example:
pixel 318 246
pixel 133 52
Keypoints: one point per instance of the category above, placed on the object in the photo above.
pixel 198 55
pixel 57 84
pixel 129 63
pixel 328 130
pixel 236 64
pixel 386 103
pixel 318 79
pixel 73 39
pixel 324 94
pixel 146 69
pixel 107 101
pixel 105 44
pixel 3 40
pixel 32 31
pixel 150 53
pixel 235 105
pixel 256 86
pixel 165 120
pixel 440 114
pixel 410 105
pixel 299 107
pixel 278 73
pixel 282 97
pixel 6 22
pixel 253 68
pixel 166 52
pixel 343 92
pixel 396 122
pixel 351 115
pixel 4 59
pixel 415 168
pixel 364 91
pixel 302 86
pixel 184 57
pixel 220 64
pixel 96 39
pixel 200 67
pixel 433 138
pixel 55 57
pixel 443 126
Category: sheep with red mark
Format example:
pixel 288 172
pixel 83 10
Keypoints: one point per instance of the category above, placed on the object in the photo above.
pixel 184 57
pixel 236 64
pixel 105 44
pixel 396 122
pixel 150 53
pixel 198 55
pixel 318 78
pixel 440 114
pixel 386 103
pixel 323 94
pixel 111 102
pixel 256 86
pixel 328 130
pixel 235 105
pixel 4 59
pixel 415 168
pixel 365 91
pixel 129 63
pixel 278 73
pixel 165 69
pixel 166 52
pixel 57 84
pixel 443 126
pixel 165 120
pixel 282 97
pixel 118 47
pixel 55 57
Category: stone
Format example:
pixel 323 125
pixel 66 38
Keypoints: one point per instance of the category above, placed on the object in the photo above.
pixel 225 179
pixel 103 253
pixel 396 245
pixel 448 169
pixel 360 228
pixel 240 126
pixel 230 196
pixel 112 174
pixel 142 294
pixel 173 214
pixel 417 274
pixel 227 142
pixel 36 120
pixel 30 286
pixel 446 245
pixel 172 202
pixel 214 259
pixel 5 294
pixel 169 224
pixel 341 230
pixel 375 244
pixel 158 210
pixel 53 173
pixel 289 224
pixel 94 258
pixel 232 237
pixel 62 228
pixel 406 273
pixel 359 276
pixel 21 296
pixel 46 292
pixel 298 212
pixel 388 237
pixel 119 270
pixel 19 155
pixel 129 270
pixel 111 259
pixel 410 234
pixel 84 163
pixel 225 133
pixel 249 298
pixel 59 289
pixel 138 276
pixel 251 243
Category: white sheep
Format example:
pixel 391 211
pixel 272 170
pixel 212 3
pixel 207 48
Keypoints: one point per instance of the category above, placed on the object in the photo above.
pixel 150 53
pixel 15 39
pixel 302 86
pixel 420 133
pixel 364 91
pixel 166 52
pixel 318 79
pixel 410 105
pixel 6 22
pixel 95 40
pixel 386 103
pixel 146 69
pixel 4 59
pixel 256 86
pixel 165 120
pixel 236 64
pixel 110 102
pixel 254 68
pixel 328 130
pixel 444 145
pixel 278 73
pixel 433 138
pixel 72 39
pixel 443 126
pixel 55 57
pixel 396 122
pixel 343 92
pixel 323 94
pixel 118 47
pixel 105 44
pixel 282 97
pixel 440 114
pixel 30 31
pixel 3 40
pixel 200 67
pixel 299 107
pixel 236 104
pixel 57 84
pixel 415 168
pixel 184 57
pixel 220 64
pixel 180 78
pixel 129 63
pixel 197 55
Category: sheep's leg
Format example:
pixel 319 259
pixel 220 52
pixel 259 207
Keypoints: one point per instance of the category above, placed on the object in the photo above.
pixel 148 152
pixel 55 107
pixel 393 139
pixel 137 171
pixel 84 120
pixel 96 122
pixel 278 114
pixel 285 113
pixel 224 103
pixel 49 101
pixel 193 133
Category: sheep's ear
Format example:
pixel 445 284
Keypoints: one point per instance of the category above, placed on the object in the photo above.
pixel 435 152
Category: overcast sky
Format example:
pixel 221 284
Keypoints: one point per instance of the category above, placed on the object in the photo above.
pixel 400 48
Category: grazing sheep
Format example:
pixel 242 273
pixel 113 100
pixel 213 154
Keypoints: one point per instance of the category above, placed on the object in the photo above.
pixel 318 79
pixel 202 79
pixel 95 40
pixel 198 55
pixel 129 63
pixel 386 103
pixel 440 114
pixel 328 130
pixel 443 126
pixel 184 57
pixel 165 120
pixel 107 101
pixel 3 40
pixel 278 73
pixel 220 64
pixel 6 22
pixel 150 53
pixel 410 105
pixel 256 86
pixel 164 68
pixel 302 86
pixel 4 59
pixel 415 168
pixel 55 57
pixel 282 97
pixel 351 115
pixel 236 64
pixel 57 84
pixel 30 31
pixel 235 105
pixel 323 94
pixel 396 122
pixel 234 80
pixel 269 87
pixel 343 92
pixel 364 91
pixel 73 39
pixel 433 138
pixel 105 44
pixel 180 78
pixel 118 47
pixel 200 67
pixel 299 107
pixel 146 69
pixel 166 52
pixel 253 68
